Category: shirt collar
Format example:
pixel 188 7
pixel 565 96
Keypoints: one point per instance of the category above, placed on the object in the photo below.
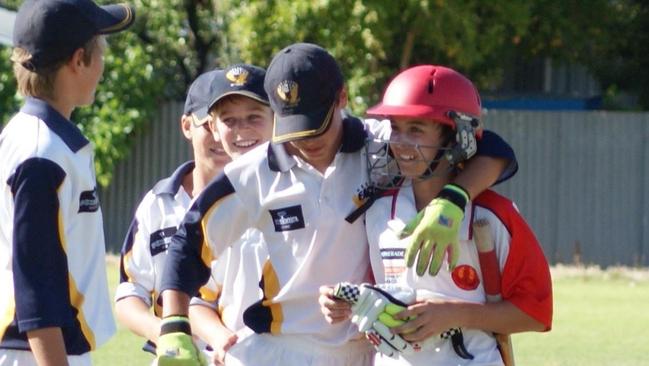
pixel 354 136
pixel 64 128
pixel 172 184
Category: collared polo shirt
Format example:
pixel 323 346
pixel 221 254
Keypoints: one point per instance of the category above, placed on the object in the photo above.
pixel 52 254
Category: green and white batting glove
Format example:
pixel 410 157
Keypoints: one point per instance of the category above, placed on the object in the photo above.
pixel 375 303
pixel 373 308
pixel 175 345
pixel 434 231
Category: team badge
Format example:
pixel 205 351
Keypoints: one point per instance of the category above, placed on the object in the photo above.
pixel 159 240
pixel 287 218
pixel 88 201
pixel 287 90
pixel 237 75
pixel 465 277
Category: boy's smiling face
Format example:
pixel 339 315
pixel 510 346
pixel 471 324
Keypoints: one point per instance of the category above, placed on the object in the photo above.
pixel 242 124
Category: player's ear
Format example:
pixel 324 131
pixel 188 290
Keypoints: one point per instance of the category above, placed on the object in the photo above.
pixel 342 98
pixel 76 60
pixel 186 126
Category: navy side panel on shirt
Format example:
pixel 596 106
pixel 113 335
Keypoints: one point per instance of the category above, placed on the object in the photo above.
pixel 186 245
pixel 494 146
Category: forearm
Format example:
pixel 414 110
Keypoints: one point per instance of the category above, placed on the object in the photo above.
pixel 480 173
pixel 48 347
pixel 134 313
pixel 500 317
pixel 207 324
pixel 175 303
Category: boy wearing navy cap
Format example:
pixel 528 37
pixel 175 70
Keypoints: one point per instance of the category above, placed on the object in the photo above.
pixel 305 192
pixel 54 295
pixel 159 213
pixel 242 119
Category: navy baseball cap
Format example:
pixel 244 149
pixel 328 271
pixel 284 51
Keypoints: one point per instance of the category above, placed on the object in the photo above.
pixel 239 79
pixel 199 96
pixel 51 30
pixel 302 83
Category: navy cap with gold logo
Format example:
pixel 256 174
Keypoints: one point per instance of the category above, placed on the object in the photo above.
pixel 239 79
pixel 51 30
pixel 198 97
pixel 302 83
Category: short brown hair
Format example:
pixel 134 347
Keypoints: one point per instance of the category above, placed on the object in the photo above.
pixel 40 83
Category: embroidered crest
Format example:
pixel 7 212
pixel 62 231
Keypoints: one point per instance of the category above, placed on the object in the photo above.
pixel 287 90
pixel 237 75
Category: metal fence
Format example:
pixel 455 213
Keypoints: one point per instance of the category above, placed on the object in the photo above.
pixel 583 182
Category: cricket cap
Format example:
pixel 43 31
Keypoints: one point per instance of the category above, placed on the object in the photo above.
pixel 302 83
pixel 199 96
pixel 51 30
pixel 239 79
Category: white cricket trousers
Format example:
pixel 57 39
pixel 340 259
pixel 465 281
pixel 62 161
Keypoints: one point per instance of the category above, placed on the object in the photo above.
pixel 292 350
pixel 12 357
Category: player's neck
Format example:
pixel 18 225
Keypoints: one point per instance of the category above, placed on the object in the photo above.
pixel 201 177
pixel 60 105
pixel 427 189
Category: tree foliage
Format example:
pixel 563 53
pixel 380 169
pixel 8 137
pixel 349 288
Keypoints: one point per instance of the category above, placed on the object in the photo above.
pixel 173 41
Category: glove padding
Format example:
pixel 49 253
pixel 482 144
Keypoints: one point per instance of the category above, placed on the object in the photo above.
pixel 435 231
pixel 373 310
pixel 175 346
pixel 387 343
pixel 380 303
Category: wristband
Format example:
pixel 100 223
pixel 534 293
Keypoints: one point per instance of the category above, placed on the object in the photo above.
pixel 175 324
pixel 455 194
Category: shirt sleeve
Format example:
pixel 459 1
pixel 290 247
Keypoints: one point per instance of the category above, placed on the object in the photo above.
pixel 215 220
pixel 525 279
pixel 136 270
pixel 40 267
pixel 209 294
pixel 492 145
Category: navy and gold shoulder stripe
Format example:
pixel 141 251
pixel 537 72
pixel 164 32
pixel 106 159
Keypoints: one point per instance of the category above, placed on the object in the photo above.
pixel 189 248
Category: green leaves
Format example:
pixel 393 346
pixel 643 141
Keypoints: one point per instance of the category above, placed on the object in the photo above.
pixel 173 41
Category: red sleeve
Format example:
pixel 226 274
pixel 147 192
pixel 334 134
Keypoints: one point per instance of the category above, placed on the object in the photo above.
pixel 525 279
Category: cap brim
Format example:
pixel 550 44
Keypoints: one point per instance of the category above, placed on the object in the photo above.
pixel 245 93
pixel 201 114
pixel 114 18
pixel 198 118
pixel 299 126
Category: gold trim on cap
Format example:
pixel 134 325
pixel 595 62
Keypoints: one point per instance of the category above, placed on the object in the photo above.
pixel 303 134
pixel 119 26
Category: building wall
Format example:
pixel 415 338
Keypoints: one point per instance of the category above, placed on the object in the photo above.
pixel 583 182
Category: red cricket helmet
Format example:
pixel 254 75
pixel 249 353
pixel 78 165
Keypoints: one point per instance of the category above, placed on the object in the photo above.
pixel 431 92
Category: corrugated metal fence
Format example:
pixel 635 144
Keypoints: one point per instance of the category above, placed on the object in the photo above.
pixel 583 183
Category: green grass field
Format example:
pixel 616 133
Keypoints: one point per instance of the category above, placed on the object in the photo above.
pixel 600 318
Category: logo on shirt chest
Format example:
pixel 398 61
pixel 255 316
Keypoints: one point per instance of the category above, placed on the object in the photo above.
pixel 88 201
pixel 465 277
pixel 287 218
pixel 159 240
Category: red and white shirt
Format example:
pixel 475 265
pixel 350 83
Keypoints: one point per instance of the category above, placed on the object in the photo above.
pixel 525 279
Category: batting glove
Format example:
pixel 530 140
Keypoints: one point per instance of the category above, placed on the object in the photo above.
pixel 175 345
pixel 372 303
pixel 435 231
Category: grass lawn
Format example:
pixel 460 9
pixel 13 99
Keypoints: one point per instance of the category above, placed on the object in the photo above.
pixel 600 318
